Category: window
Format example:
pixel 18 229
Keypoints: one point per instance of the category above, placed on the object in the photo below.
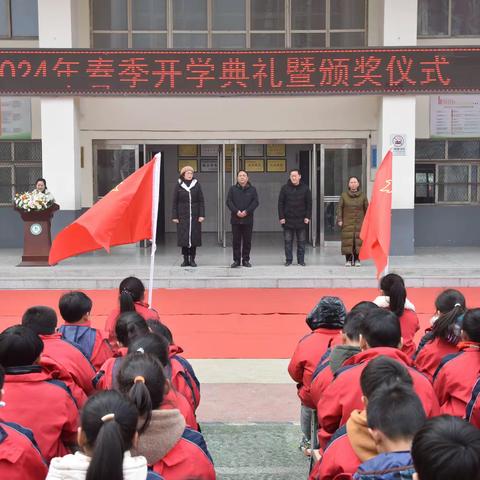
pixel 448 18
pixel 451 174
pixel 229 24
pixel 20 166
pixel 18 18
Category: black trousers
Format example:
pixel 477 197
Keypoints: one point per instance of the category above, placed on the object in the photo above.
pixel 191 251
pixel 241 241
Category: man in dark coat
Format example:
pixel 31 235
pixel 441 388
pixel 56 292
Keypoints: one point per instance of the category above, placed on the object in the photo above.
pixel 294 212
pixel 242 200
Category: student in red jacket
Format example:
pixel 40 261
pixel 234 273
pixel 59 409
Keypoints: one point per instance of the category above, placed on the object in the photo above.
pixel 43 321
pixel 352 443
pixel 380 332
pixel 395 298
pixel 326 322
pixel 444 335
pixel 75 309
pixel 176 452
pixel 32 397
pixel 457 372
pixel 131 298
pixel 446 448
pixel 20 457
pixel 472 413
pixel 129 327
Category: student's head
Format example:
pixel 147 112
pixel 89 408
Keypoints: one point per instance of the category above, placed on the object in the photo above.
pixel 153 344
pixel 108 429
pixel 353 184
pixel 40 184
pixel 364 306
pixel 471 325
pixel 394 416
pixel 295 176
pixel 447 448
pixel 142 378
pixel 160 329
pixel 450 306
pixel 393 286
pixel 129 327
pixel 74 306
pixel 131 290
pixel 380 372
pixel 19 346
pixel 380 328
pixel 242 177
pixel 352 327
pixel 42 320
pixel 328 313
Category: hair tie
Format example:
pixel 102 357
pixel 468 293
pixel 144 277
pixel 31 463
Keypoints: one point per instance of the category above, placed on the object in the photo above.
pixel 127 291
pixel 456 305
pixel 139 379
pixel 140 350
pixel 106 418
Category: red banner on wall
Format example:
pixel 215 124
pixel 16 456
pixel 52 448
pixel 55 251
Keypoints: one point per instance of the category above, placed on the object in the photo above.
pixel 246 72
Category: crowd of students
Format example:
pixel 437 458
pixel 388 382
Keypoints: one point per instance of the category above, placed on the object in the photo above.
pixel 78 403
pixel 374 405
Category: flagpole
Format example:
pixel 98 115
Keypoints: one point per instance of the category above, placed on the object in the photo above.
pixel 155 199
pixel 385 272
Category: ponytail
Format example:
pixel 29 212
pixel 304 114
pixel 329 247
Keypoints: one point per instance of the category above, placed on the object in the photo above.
pixel 393 286
pixel 126 302
pixel 451 305
pixel 140 396
pixel 108 422
pixel 131 290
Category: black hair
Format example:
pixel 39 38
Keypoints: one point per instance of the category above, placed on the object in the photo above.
pixel 471 324
pixel 240 171
pixel 42 320
pixel 41 180
pixel 294 170
pixel 2 377
pixel 131 290
pixel 19 346
pixel 356 178
pixel 445 448
pixel 451 305
pixel 381 328
pixel 396 411
pixel 160 329
pixel 393 286
pixel 108 438
pixel 129 327
pixel 364 306
pixel 382 371
pixel 156 345
pixel 74 306
pixel 352 325
pixel 142 378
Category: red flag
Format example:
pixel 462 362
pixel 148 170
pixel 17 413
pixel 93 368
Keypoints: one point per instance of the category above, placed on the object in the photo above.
pixel 376 228
pixel 123 216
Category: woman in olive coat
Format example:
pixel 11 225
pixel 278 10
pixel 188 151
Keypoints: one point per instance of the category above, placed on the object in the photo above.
pixel 350 214
pixel 188 212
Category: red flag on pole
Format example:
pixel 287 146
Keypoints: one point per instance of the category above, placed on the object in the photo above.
pixel 376 228
pixel 123 216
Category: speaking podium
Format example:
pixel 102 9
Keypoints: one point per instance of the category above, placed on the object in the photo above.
pixel 37 238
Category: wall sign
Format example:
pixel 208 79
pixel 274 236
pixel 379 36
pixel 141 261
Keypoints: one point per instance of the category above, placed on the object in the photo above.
pixel 187 151
pixel 399 144
pixel 208 164
pixel 256 165
pixel 253 150
pixel 276 164
pixel 15 118
pixel 276 150
pixel 240 72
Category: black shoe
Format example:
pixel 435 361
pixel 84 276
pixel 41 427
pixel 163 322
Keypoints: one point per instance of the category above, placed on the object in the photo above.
pixel 235 264
pixel 303 264
pixel 192 262
pixel 287 263
pixel 186 262
pixel 246 263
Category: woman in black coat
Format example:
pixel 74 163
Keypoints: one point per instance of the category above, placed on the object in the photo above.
pixel 188 212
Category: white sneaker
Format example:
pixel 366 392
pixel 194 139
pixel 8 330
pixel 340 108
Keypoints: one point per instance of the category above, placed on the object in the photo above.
pixel 348 264
pixel 358 264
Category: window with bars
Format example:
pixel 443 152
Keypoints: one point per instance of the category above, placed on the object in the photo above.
pixel 18 19
pixel 228 24
pixel 447 171
pixel 20 166
pixel 448 18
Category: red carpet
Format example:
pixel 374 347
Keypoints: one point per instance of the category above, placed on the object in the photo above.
pixel 227 323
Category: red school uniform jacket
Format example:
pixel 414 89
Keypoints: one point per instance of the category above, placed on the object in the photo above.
pixel 409 326
pixel 454 378
pixel 306 356
pixel 43 405
pixel 174 399
pixel 188 459
pixel 90 341
pixel 140 307
pixel 71 359
pixel 344 394
pixel 322 377
pixel 20 457
pixel 430 353
pixel 472 413
pixel 105 379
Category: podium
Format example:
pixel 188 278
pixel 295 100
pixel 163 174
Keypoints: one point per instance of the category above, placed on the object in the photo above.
pixel 37 238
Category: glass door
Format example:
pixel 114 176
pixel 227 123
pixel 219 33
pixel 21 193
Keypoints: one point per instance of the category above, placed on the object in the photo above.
pixel 338 162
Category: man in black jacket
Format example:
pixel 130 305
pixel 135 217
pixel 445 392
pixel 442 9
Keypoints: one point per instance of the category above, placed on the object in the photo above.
pixel 294 212
pixel 242 200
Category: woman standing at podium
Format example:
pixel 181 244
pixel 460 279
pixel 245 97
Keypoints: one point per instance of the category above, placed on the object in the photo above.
pixel 41 187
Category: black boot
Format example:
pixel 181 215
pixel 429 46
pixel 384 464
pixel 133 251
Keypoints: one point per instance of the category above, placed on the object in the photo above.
pixel 193 251
pixel 186 261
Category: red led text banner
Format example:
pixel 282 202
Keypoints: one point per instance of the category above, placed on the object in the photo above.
pixel 246 72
